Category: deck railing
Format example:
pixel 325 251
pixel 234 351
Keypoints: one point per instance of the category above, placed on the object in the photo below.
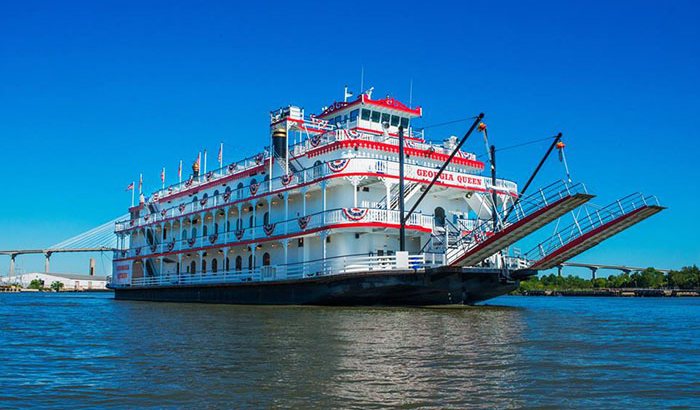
pixel 293 271
pixel 296 225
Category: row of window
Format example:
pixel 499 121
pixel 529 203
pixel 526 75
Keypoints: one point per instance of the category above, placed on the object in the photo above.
pixel 373 116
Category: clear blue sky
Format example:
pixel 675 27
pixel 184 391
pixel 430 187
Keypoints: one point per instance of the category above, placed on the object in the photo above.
pixel 92 93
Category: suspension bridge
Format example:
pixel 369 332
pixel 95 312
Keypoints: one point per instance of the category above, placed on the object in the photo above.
pixel 98 239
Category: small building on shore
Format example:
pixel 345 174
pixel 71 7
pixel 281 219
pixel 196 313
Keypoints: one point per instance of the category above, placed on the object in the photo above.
pixel 71 281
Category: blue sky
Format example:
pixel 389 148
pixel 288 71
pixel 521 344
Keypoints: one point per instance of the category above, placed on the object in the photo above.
pixel 93 93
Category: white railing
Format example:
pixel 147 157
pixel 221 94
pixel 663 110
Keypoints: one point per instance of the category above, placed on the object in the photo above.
pixel 263 187
pixel 294 271
pixel 296 225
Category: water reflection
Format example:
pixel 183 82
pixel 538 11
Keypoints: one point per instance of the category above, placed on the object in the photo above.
pixel 68 350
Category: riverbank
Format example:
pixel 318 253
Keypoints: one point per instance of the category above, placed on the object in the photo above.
pixel 623 292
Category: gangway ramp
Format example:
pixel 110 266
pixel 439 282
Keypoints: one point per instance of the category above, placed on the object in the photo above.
pixel 532 212
pixel 590 230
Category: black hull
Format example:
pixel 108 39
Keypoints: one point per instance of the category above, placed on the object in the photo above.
pixel 442 286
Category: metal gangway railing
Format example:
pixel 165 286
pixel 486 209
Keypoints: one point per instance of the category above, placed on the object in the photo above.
pixel 603 222
pixel 531 212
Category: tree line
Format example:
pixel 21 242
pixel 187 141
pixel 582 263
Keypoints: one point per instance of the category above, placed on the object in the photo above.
pixel 687 277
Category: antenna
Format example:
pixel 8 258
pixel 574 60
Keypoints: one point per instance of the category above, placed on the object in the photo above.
pixel 362 79
pixel 410 94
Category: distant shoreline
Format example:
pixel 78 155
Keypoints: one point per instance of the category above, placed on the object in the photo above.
pixel 614 292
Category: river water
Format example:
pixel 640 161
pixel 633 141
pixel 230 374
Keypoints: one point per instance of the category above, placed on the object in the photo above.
pixel 87 350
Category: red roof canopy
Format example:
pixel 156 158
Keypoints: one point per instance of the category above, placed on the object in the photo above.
pixel 387 103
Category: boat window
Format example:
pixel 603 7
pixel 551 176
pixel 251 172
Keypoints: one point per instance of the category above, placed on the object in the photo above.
pixel 194 232
pixel 239 190
pixel 216 228
pixel 214 265
pixel 250 262
pixel 204 230
pixel 204 266
pixel 239 263
pixel 266 218
pixel 251 222
pixel 228 266
pixel 266 259
pixel 365 114
pixel 376 115
pixel 193 267
pixel 386 118
pixel 354 114
pixel 317 169
pixel 239 224
pixel 338 119
pixel 395 120
pixel 404 122
pixel 184 234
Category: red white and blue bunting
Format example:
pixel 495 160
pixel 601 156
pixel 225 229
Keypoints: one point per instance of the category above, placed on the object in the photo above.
pixel 203 201
pixel 315 140
pixel 287 179
pixel 181 207
pixel 259 159
pixel 163 212
pixel 227 196
pixel 269 229
pixel 213 238
pixel 254 188
pixel 191 241
pixel 355 214
pixel 171 245
pixel 304 221
pixel 231 168
pixel 239 233
pixel 338 165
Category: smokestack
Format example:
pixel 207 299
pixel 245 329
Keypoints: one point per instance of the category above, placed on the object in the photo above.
pixel 92 267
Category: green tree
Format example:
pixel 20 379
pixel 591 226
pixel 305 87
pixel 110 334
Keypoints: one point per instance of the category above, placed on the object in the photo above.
pixel 56 286
pixel 36 284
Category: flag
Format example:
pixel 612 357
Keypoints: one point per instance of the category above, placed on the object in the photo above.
pixel 221 153
pixel 162 175
pixel 130 187
pixel 179 171
pixel 140 183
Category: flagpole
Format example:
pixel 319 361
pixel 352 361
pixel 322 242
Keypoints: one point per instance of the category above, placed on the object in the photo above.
pixel 133 190
pixel 205 162
pixel 179 173
pixel 221 156
pixel 162 178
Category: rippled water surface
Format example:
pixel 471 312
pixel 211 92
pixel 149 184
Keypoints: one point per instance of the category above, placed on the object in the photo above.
pixel 87 350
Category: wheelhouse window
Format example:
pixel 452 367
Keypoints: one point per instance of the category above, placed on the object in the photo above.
pixel 395 120
pixel 376 116
pixel 404 122
pixel 365 114
pixel 354 114
pixel 386 118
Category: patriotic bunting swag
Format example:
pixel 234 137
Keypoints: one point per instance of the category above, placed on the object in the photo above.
pixel 239 233
pixel 269 229
pixel 287 179
pixel 254 188
pixel 213 238
pixel 315 140
pixel 355 214
pixel 304 222
pixel 338 165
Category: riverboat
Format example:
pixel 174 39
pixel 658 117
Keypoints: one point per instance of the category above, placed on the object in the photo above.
pixel 321 216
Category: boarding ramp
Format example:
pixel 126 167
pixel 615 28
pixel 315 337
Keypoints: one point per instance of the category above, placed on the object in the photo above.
pixel 531 213
pixel 589 230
